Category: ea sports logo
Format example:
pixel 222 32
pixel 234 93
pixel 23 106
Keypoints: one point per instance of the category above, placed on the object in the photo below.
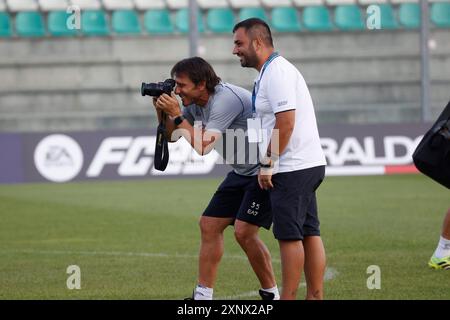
pixel 58 158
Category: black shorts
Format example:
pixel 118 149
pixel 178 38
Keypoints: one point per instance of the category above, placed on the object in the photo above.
pixel 240 197
pixel 294 205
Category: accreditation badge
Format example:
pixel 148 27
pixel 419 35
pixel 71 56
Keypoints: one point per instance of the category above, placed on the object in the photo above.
pixel 254 131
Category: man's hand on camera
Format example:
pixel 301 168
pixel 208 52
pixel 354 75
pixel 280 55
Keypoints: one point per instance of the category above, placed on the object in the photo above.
pixel 169 104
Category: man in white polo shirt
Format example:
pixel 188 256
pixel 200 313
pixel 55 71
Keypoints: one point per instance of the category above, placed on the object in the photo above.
pixel 292 160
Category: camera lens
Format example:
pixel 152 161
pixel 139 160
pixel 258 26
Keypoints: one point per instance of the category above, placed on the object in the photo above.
pixel 151 89
pixel 157 89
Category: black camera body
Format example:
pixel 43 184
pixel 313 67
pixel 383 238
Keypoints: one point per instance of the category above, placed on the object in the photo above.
pixel 157 89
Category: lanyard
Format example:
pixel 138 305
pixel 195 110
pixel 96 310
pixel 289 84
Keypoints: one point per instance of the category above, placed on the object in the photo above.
pixel 256 85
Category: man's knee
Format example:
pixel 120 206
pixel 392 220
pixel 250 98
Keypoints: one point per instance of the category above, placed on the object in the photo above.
pixel 240 235
pixel 207 226
pixel 245 232
pixel 211 227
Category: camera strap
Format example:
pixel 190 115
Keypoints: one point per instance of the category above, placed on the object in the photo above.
pixel 161 146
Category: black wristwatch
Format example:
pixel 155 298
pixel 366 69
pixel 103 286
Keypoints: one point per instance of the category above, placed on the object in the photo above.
pixel 266 165
pixel 178 120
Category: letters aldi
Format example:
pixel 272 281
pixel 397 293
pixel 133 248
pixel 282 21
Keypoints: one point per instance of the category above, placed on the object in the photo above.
pixel 113 155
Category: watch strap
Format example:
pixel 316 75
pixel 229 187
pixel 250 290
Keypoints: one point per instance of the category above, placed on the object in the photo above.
pixel 178 120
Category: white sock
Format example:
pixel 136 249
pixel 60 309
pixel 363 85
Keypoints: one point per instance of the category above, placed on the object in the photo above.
pixel 273 290
pixel 203 293
pixel 443 248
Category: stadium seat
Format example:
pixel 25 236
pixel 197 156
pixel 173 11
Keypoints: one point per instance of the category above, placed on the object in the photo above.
pixel 149 4
pixel 118 4
pixel 220 20
pixel 53 5
pixel 349 17
pixel 29 24
pixel 57 24
pixel 285 19
pixel 93 23
pixel 158 22
pixel 409 15
pixel 388 20
pixel 209 4
pixel 177 4
pixel 238 4
pixel 276 3
pixel 125 22
pixel 22 5
pixel 387 17
pixel 5 25
pixel 182 21
pixel 317 18
pixel 87 4
pixel 246 13
pixel 440 14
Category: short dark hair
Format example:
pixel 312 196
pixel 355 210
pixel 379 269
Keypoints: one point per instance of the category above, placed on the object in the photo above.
pixel 198 70
pixel 256 27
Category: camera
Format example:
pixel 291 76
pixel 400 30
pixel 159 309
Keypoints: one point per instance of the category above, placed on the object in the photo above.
pixel 157 89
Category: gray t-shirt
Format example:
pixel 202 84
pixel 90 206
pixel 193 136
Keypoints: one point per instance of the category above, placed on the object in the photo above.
pixel 227 111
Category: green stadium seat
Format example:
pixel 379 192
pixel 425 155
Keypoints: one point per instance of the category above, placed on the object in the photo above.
pixel 285 19
pixel 125 22
pixel 57 24
pixel 158 22
pixel 93 23
pixel 220 20
pixel 30 24
pixel 316 18
pixel 388 20
pixel 5 25
pixel 182 21
pixel 440 14
pixel 349 17
pixel 258 12
pixel 409 15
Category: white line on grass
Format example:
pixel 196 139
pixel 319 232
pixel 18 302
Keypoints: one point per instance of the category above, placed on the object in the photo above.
pixel 119 253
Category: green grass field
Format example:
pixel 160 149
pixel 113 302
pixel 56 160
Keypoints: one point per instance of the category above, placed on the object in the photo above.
pixel 139 240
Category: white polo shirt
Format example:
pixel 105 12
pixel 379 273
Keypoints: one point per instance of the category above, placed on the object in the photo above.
pixel 283 88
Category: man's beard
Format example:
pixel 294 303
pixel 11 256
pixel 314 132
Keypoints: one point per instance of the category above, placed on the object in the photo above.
pixel 250 60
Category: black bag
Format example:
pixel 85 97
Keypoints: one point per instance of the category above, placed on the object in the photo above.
pixel 432 155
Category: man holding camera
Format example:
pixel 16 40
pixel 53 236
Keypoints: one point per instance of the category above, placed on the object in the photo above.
pixel 283 109
pixel 219 107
